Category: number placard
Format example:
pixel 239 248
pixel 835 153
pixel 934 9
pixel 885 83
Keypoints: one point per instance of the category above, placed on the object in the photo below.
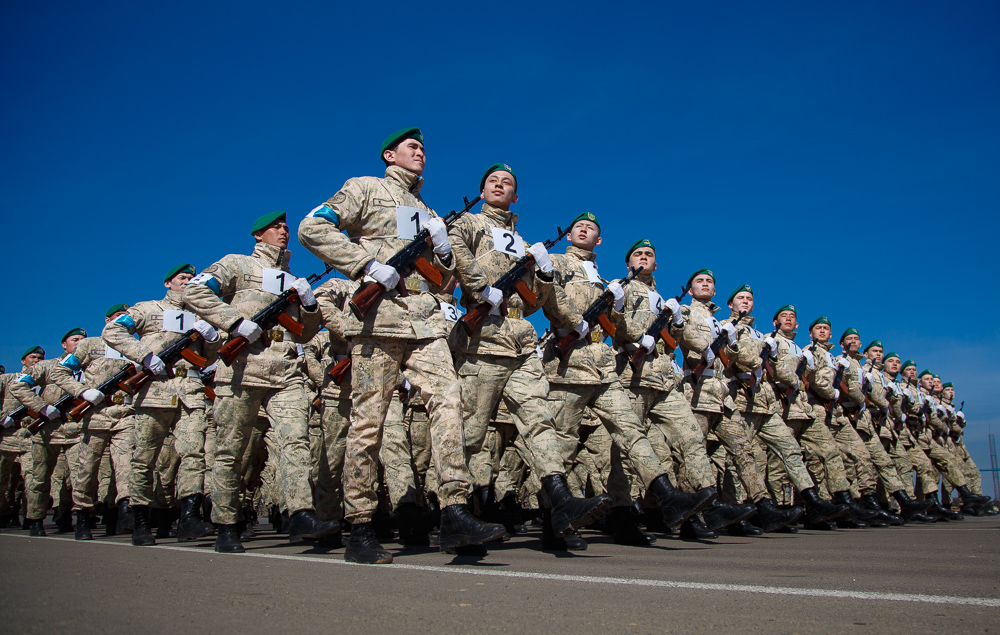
pixel 110 353
pixel 450 312
pixel 655 301
pixel 409 221
pixel 176 321
pixel 592 274
pixel 507 241
pixel 276 281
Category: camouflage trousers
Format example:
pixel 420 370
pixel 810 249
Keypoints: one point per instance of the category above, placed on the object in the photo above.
pixel 944 463
pixel 973 477
pixel 152 427
pixel 884 466
pixel 732 433
pixel 897 451
pixel 236 412
pixel 428 366
pixel 8 460
pixel 674 430
pixel 522 385
pixel 93 447
pixel 396 457
pixel 590 473
pixel 820 453
pixel 328 451
pixel 857 459
pixel 770 430
pixel 45 479
pixel 512 469
pixel 928 478
pixel 260 483
pixel 612 407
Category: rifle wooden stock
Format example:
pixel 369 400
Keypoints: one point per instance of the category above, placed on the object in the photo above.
pixel 317 402
pixel 364 300
pixel 474 318
pixel 194 358
pixel 428 270
pixel 291 324
pixel 565 344
pixel 530 297
pixel 606 324
pixel 339 370
pixel 639 357
pixel 210 393
pixel 233 347
pixel 80 409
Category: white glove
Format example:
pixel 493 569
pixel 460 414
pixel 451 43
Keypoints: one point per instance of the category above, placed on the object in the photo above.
pixel 93 396
pixel 51 413
pixel 730 332
pixel 836 394
pixel 492 295
pixel 385 275
pixel 810 360
pixel 619 293
pixel 538 351
pixel 844 363
pixel 249 330
pixel 7 422
pixel 154 364
pixel 960 415
pixel 439 236
pixel 306 297
pixel 772 346
pixel 647 342
pixel 582 328
pixel 205 330
pixel 541 256
pixel 675 310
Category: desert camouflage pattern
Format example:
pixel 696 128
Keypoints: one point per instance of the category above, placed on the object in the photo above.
pixel 89 357
pixel 710 393
pixel 658 370
pixel 40 377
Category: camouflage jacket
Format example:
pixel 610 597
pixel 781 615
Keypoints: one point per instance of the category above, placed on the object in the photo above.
pixel 141 331
pixel 36 388
pixel 642 304
pixel 821 388
pixel 747 364
pixel 333 296
pixel 233 289
pixel 710 393
pixel 480 261
pixel 786 378
pixel 894 400
pixel 854 379
pixel 9 441
pixel 366 209
pixel 90 358
pixel 590 361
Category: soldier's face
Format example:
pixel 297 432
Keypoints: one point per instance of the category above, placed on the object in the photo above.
pixel 274 234
pixel 851 343
pixel 32 358
pixel 892 365
pixel 585 235
pixel 875 354
pixel 949 393
pixel 786 321
pixel 910 372
pixel 643 257
pixel 703 287
pixel 69 344
pixel 409 155
pixel 178 282
pixel 742 302
pixel 821 332
pixel 927 382
pixel 500 190
pixel 937 384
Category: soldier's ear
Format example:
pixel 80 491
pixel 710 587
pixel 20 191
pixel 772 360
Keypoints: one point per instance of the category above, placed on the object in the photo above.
pixel 599 239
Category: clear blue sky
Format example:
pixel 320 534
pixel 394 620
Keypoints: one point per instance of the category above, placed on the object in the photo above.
pixel 843 157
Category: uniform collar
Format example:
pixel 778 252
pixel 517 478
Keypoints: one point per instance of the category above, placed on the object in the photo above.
pixel 708 305
pixel 647 279
pixel 404 178
pixel 174 299
pixel 747 319
pixel 790 338
pixel 581 254
pixel 501 216
pixel 273 255
pixel 825 345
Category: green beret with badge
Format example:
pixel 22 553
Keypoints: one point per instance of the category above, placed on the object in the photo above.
pixel 497 167
pixel 908 363
pixel 947 385
pixel 70 333
pixel 33 349
pixel 115 308
pixel 873 343
pixel 924 372
pixel 585 216
pixel 889 356
pixel 820 320
pixel 642 242
pixel 739 289
pixel 698 273
pixel 849 331
pixel 782 309
pixel 393 140
pixel 265 221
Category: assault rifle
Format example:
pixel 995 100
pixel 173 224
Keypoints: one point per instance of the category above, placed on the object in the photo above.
pixel 169 355
pixel 108 388
pixel 658 329
pixel 718 350
pixel 62 404
pixel 838 383
pixel 508 283
pixel 339 370
pixel 597 312
pixel 269 316
pixel 407 260
pixel 766 362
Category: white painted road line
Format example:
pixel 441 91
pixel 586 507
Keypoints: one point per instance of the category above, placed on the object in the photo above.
pixel 528 575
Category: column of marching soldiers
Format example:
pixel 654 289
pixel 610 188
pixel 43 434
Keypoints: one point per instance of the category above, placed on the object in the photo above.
pixel 372 404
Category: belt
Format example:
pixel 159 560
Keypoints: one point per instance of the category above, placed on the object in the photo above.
pixel 121 398
pixel 416 284
pixel 708 372
pixel 596 334
pixel 514 314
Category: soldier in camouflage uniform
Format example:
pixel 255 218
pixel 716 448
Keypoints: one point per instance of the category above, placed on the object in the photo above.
pixel 268 373
pixel 955 420
pixel 404 332
pixel 109 428
pixel 498 361
pixel 587 377
pixel 14 448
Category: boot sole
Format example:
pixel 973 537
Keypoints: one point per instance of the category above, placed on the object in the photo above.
pixel 677 522
pixel 187 537
pixel 775 527
pixel 351 557
pixel 455 541
pixel 297 538
pixel 727 523
pixel 230 550
pixel 595 513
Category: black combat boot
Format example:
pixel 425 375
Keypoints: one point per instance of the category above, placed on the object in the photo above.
pixel 550 541
pixel 227 540
pixel 126 521
pixel 575 542
pixel 273 517
pixel 857 511
pixel 412 524
pixel 677 506
pixel 35 528
pixel 206 508
pixel 459 528
pixel 569 513
pixel 944 513
pixel 745 528
pixel 83 526
pixel 304 525
pixel 141 534
pixel 883 515
pixel 363 547
pixel 970 499
pixel 64 520
pixel 191 526
pixel 489 511
pixel 909 509
pixel 717 515
pixel 694 529
pixel 284 520
pixel 626 530
pixel 510 505
pixel 111 520
pixel 819 510
pixel 772 518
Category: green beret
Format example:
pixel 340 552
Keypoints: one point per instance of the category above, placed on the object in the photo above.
pixel 393 140
pixel 787 307
pixel 3 369
pixel 820 320
pixel 115 308
pixel 698 273
pixel 947 385
pixel 497 167
pixel 33 349
pixel 742 287
pixel 849 331
pixel 184 268
pixel 585 216
pixel 908 363
pixel 70 333
pixel 642 242
pixel 873 343
pixel 266 221
pixel 889 356
pixel 924 372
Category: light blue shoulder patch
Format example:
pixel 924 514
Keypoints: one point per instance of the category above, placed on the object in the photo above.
pixel 126 320
pixel 26 378
pixel 209 281
pixel 326 214
pixel 71 362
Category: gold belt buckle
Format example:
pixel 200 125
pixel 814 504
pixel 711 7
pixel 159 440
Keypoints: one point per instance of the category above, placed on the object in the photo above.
pixel 659 347
pixel 514 314
pixel 596 335
pixel 277 335
pixel 413 284
pixel 119 398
